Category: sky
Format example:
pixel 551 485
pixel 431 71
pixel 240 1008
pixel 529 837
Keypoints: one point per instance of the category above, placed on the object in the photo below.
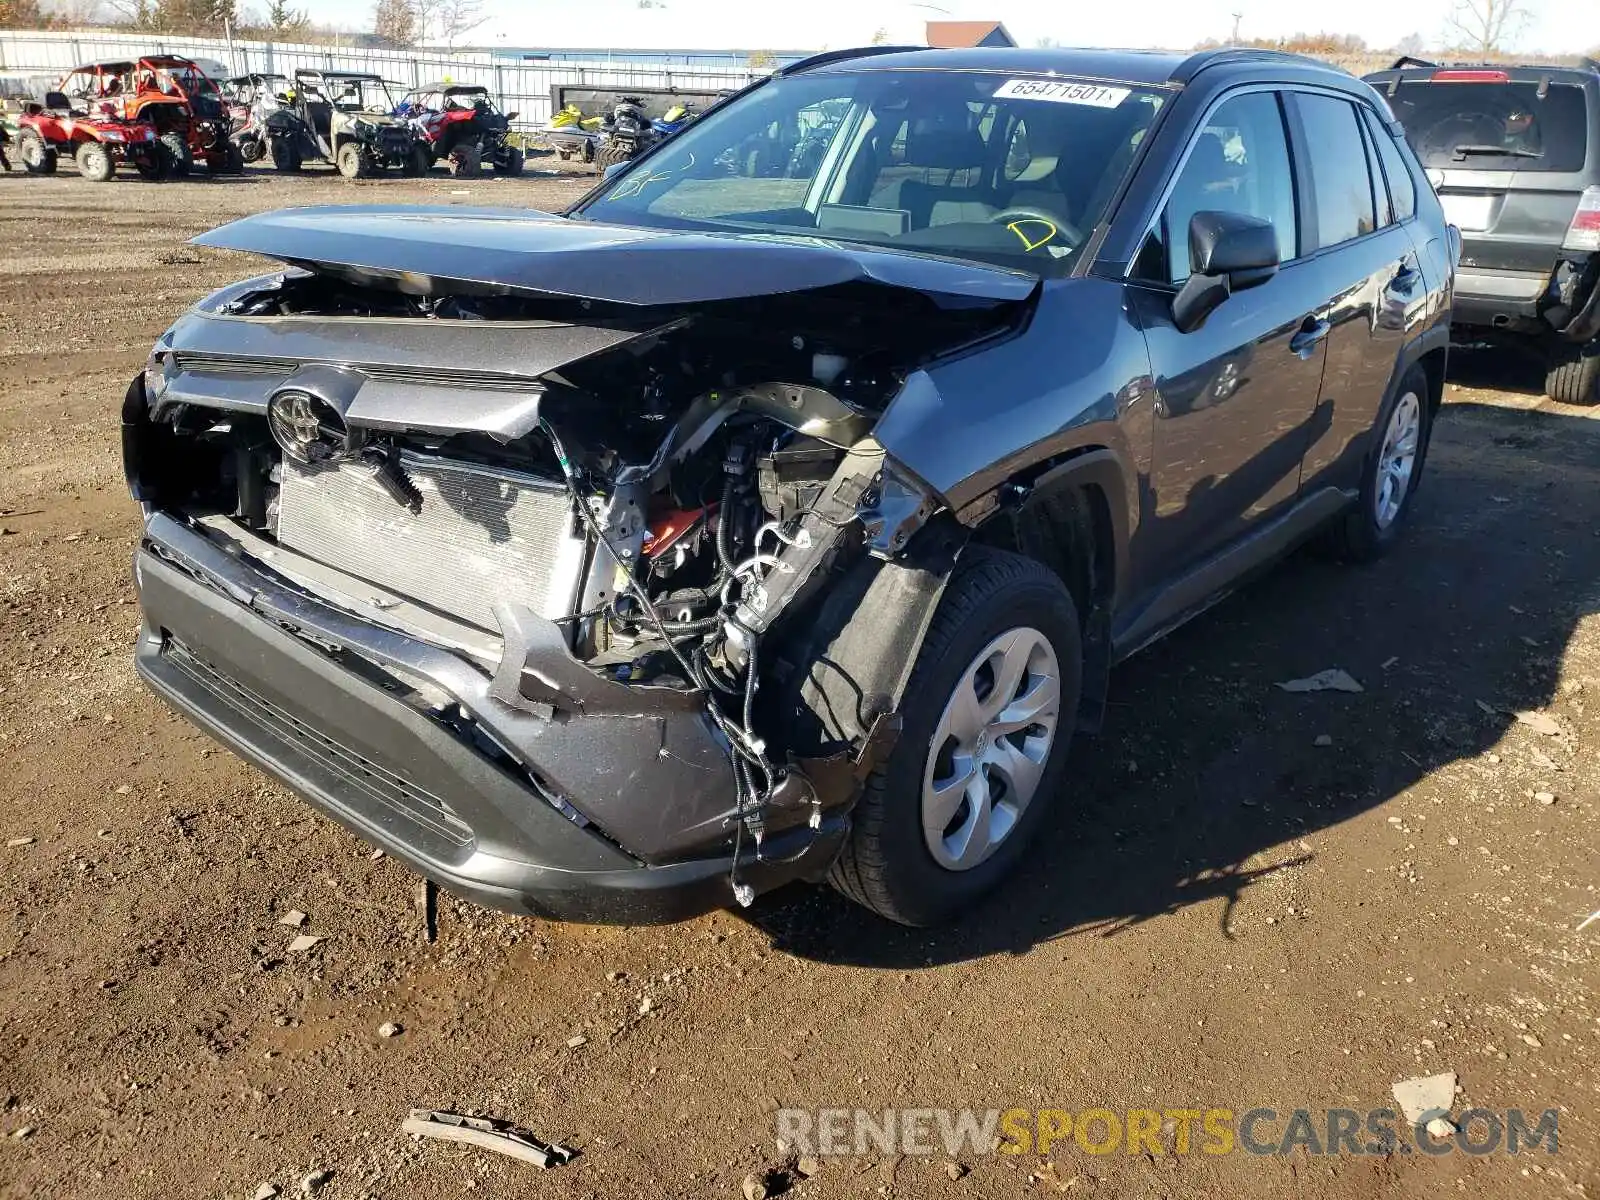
pixel 1554 26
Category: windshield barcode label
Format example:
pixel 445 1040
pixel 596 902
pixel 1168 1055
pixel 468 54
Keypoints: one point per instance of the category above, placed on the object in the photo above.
pixel 1061 92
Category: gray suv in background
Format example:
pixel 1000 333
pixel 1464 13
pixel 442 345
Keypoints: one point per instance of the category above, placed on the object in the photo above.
pixel 1514 153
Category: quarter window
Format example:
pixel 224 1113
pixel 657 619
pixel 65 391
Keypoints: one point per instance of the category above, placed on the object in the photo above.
pixel 1402 187
pixel 1341 187
pixel 1239 163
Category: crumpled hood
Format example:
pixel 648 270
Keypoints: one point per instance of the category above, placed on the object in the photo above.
pixel 532 252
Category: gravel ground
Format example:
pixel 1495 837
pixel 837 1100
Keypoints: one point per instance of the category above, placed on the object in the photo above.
pixel 1257 898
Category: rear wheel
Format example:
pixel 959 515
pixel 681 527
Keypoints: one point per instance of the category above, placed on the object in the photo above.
pixel 1391 476
pixel 285 155
pixel 987 720
pixel 351 162
pixel 1574 375
pixel 148 164
pixel 38 156
pixel 610 155
pixel 252 149
pixel 95 163
pixel 466 160
pixel 229 161
pixel 180 159
pixel 420 161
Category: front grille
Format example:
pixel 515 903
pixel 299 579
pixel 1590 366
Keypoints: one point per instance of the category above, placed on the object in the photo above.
pixel 482 536
pixel 456 377
pixel 217 364
pixel 394 142
pixel 369 783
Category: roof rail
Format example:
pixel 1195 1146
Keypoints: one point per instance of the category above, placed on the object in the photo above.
pixel 1409 60
pixel 1185 71
pixel 833 56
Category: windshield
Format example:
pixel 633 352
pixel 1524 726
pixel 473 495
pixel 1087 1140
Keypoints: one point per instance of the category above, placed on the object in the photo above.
pixel 969 164
pixel 357 95
pixel 1494 126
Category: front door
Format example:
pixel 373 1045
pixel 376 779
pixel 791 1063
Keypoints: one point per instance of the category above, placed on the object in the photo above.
pixel 1235 398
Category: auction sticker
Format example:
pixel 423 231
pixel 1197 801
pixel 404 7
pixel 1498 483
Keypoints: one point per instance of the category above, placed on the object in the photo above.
pixel 1059 91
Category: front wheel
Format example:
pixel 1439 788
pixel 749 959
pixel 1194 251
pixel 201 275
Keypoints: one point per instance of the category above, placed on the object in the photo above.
pixel 986 725
pixel 351 162
pixel 251 149
pixel 511 164
pixel 1391 476
pixel 180 159
pixel 95 163
pixel 420 161
pixel 465 160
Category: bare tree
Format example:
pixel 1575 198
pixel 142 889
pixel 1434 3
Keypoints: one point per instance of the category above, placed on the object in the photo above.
pixel 426 15
pixel 394 22
pixel 141 14
pixel 1485 26
pixel 1411 46
pixel 457 18
pixel 283 19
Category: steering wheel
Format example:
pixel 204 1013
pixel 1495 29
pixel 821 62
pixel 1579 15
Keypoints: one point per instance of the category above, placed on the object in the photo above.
pixel 1035 228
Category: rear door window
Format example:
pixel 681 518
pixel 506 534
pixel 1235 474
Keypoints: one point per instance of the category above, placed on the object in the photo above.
pixel 1495 126
pixel 1341 187
pixel 1402 187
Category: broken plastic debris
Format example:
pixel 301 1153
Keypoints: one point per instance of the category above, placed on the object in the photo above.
pixel 1540 723
pixel 1334 679
pixel 486 1133
pixel 294 918
pixel 1425 1094
pixel 304 942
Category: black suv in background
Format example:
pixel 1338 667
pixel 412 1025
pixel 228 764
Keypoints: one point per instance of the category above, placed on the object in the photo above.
pixel 743 525
pixel 1514 153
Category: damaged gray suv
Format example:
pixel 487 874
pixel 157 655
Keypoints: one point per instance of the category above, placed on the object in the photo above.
pixel 779 511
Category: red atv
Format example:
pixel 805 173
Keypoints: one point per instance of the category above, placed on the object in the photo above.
pixel 172 95
pixel 98 140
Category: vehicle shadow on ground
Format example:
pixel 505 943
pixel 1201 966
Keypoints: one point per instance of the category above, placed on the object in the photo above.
pixel 1208 778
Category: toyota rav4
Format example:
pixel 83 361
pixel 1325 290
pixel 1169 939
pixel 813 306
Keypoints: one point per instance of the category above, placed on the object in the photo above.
pixel 732 529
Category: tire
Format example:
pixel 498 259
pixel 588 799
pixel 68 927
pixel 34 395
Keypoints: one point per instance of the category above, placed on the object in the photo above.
pixel 610 155
pixel 180 159
pixel 252 149
pixel 1359 535
pixel 231 162
pixel 38 156
pixel 1574 375
pixel 888 863
pixel 511 164
pixel 95 162
pixel 466 161
pixel 285 155
pixel 150 166
pixel 351 162
pixel 420 161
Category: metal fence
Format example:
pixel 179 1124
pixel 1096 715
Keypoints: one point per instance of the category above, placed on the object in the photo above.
pixel 26 59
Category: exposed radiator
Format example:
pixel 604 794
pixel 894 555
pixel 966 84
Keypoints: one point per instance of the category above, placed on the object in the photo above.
pixel 482 535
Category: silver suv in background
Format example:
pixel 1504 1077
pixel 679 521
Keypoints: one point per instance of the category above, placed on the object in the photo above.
pixel 1514 153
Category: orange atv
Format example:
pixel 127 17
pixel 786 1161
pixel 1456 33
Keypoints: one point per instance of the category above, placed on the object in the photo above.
pixel 96 140
pixel 172 95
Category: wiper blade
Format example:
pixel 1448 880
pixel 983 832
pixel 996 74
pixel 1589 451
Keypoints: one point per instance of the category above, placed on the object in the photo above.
pixel 1497 151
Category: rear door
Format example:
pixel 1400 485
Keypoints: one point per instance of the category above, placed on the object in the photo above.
pixel 1233 397
pixel 1509 152
pixel 1369 270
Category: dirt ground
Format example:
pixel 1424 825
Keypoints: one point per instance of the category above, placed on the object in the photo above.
pixel 1232 915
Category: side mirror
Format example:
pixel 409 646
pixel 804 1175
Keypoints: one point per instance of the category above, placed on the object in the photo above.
pixel 513 115
pixel 1228 252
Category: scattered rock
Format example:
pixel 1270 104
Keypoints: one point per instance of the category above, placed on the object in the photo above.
pixel 313 1183
pixel 304 942
pixel 1532 1041
pixel 294 918
pixel 13 843
pixel 1323 739
pixel 125 790
pixel 807 1167
pixel 1417 1096
pixel 1494 758
pixel 754 1187
pixel 375 855
pixel 575 1041
pixel 615 976
pixel 1334 679
pixel 391 1029
pixel 1545 797
pixel 265 1192
pixel 1441 1128
pixel 22 1131
pixel 955 1171
pixel 645 1006
pixel 1540 723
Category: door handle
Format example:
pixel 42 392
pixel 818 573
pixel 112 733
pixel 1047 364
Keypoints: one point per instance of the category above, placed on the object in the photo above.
pixel 1310 336
pixel 1405 277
